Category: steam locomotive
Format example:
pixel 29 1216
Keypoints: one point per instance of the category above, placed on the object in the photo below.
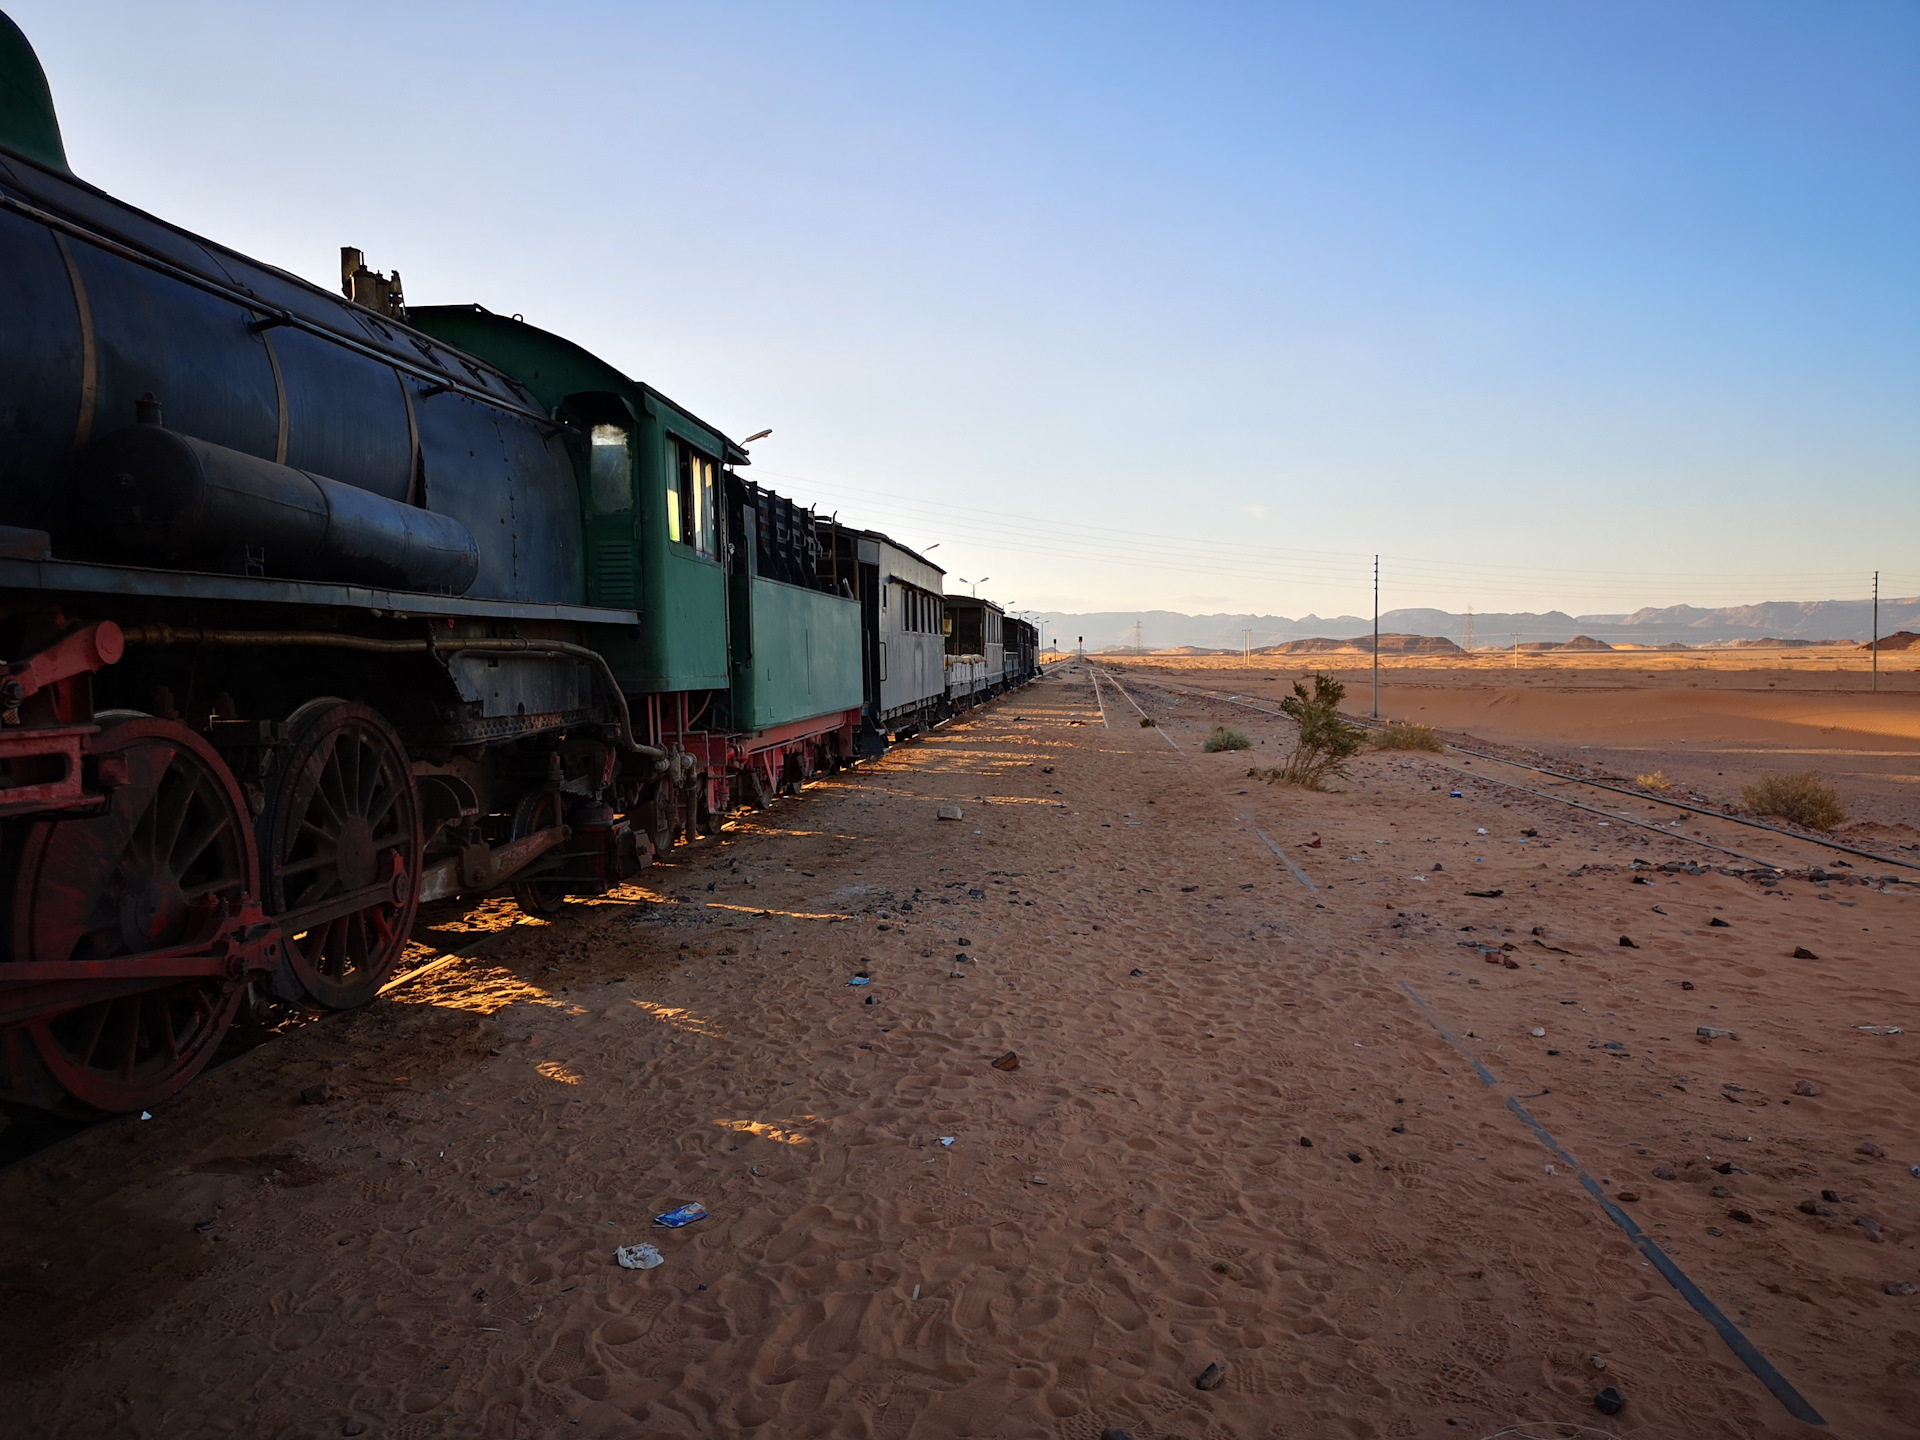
pixel 320 607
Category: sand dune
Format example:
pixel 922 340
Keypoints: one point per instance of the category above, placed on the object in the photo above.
pixel 429 1253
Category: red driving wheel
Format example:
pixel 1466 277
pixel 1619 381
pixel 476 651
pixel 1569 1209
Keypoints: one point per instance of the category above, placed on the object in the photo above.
pixel 155 868
pixel 343 814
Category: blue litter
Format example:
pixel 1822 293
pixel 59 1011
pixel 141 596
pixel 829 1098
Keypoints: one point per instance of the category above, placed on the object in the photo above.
pixel 1454 793
pixel 859 980
pixel 685 1215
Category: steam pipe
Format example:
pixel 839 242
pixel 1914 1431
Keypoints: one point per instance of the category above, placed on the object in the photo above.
pixel 197 635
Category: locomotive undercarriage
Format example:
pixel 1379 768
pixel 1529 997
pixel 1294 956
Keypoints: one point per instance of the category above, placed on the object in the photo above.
pixel 197 815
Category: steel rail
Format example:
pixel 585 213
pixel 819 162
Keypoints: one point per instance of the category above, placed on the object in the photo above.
pixel 1155 726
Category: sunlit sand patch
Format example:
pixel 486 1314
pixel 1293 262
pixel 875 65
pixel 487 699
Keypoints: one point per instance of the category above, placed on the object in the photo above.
pixel 558 1073
pixel 498 913
pixel 481 991
pixel 681 1019
pixel 760 1129
pixel 783 914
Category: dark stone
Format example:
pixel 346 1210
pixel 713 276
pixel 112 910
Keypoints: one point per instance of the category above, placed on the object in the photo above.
pixel 1743 1216
pixel 1308 1144
pixel 354 1427
pixel 1627 1197
pixel 1716 923
pixel 1686 984
pixel 1609 1401
pixel 1721 1192
pixel 1438 866
pixel 1113 1432
pixel 1008 1061
pixel 963 941
pixel 1871 1226
pixel 1210 1378
pixel 1800 952
pixel 1898 1287
pixel 1832 1197
pixel 1626 942
pixel 1867 1147
pixel 1399 1129
pixel 317 1095
pixel 1664 1172
pixel 1136 971
pixel 1814 1207
pixel 1354 1156
pixel 1805 1087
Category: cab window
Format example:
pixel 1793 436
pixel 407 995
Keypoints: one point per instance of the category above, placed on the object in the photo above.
pixel 692 504
pixel 610 469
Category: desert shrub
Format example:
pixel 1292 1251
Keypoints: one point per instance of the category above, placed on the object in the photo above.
pixel 1405 735
pixel 1224 739
pixel 1146 722
pixel 1656 781
pixel 1327 741
pixel 1805 799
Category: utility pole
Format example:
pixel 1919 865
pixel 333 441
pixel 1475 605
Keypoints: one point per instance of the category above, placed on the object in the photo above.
pixel 1876 632
pixel 1247 656
pixel 1469 627
pixel 1136 635
pixel 1376 637
pixel 1516 649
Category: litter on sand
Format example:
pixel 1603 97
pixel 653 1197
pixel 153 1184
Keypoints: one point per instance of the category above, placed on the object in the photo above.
pixel 685 1215
pixel 947 1140
pixel 639 1257
pixel 1870 1029
pixel 860 980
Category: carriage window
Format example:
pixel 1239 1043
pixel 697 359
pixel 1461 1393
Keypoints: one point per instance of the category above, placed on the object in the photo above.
pixel 692 505
pixel 610 469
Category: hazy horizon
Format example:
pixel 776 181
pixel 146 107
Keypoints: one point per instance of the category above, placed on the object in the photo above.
pixel 1192 308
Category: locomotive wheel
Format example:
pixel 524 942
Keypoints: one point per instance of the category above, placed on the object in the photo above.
pixel 342 813
pixel 539 810
pixel 173 845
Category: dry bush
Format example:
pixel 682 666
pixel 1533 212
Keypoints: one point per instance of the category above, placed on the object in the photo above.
pixel 1327 740
pixel 1656 781
pixel 1224 739
pixel 1146 722
pixel 1406 735
pixel 1805 799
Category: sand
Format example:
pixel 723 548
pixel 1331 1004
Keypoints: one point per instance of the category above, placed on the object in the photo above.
pixel 430 1251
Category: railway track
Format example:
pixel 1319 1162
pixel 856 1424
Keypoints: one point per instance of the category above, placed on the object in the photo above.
pixel 1646 797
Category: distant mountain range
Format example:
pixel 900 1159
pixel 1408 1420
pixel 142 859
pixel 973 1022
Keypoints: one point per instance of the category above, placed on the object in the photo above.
pixel 1684 624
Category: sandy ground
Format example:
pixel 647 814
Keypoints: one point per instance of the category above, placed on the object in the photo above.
pixel 429 1252
pixel 1702 718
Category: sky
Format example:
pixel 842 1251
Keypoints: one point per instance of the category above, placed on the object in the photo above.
pixel 1182 306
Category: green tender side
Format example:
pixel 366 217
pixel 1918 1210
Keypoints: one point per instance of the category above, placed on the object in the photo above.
pixel 631 563
pixel 28 125
pixel 805 655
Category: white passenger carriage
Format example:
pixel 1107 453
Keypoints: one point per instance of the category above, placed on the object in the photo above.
pixel 902 623
pixel 976 664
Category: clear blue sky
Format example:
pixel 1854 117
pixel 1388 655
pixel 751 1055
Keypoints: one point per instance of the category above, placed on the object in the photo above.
pixel 1185 305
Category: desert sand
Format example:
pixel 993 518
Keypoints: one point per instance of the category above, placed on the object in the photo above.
pixel 1275 1063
